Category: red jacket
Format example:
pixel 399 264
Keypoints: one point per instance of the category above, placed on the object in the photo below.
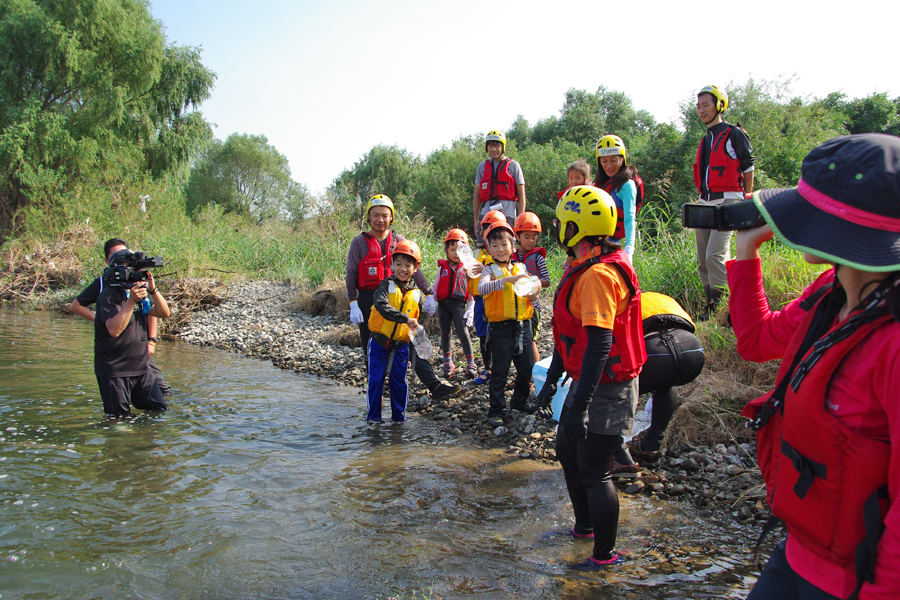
pixel 627 355
pixel 503 188
pixel 845 416
pixel 451 281
pixel 376 266
pixel 723 172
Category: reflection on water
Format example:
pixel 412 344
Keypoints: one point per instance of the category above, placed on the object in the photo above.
pixel 260 483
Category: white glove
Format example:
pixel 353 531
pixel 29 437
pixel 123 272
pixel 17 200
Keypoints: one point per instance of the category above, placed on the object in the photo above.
pixel 469 314
pixel 430 305
pixel 356 315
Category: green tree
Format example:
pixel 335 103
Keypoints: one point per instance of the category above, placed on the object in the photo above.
pixel 87 83
pixel 383 170
pixel 445 183
pixel 248 176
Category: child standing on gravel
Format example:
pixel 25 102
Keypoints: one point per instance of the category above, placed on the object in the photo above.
pixel 509 316
pixel 392 322
pixel 482 327
pixel 451 289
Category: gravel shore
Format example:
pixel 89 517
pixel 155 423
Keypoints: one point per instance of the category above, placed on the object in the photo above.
pixel 259 319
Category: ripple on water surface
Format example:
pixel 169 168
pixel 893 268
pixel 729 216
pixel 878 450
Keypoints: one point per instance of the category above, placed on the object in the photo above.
pixel 260 483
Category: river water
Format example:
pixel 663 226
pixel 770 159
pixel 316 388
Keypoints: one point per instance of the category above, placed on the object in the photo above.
pixel 265 484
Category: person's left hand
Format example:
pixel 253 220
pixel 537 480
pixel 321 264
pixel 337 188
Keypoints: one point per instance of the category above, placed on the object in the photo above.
pixel 573 425
pixel 413 324
pixel 151 348
pixel 430 305
pixel 748 241
pixel 151 285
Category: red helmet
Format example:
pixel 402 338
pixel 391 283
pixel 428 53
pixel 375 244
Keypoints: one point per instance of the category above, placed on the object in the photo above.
pixel 409 248
pixel 527 221
pixel 456 235
pixel 499 225
pixel 491 217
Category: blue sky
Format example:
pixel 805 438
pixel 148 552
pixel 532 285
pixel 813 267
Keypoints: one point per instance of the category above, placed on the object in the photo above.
pixel 326 81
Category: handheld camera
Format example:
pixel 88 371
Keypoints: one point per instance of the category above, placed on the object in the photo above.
pixel 127 268
pixel 722 217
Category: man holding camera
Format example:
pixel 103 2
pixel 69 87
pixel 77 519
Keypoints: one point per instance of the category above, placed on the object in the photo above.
pixel 723 174
pixel 121 357
pixel 81 306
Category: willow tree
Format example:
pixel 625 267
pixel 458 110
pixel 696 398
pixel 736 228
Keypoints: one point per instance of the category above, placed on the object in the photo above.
pixel 88 84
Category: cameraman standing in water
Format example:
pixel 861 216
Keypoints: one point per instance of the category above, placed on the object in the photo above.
pixel 121 358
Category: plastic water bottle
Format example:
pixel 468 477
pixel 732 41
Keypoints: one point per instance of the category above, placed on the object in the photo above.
pixel 422 344
pixel 464 251
pixel 523 286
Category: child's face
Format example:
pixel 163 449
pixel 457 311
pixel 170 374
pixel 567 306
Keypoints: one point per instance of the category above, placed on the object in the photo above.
pixel 528 240
pixel 611 164
pixel 577 178
pixel 501 248
pixel 450 251
pixel 404 267
pixel 495 150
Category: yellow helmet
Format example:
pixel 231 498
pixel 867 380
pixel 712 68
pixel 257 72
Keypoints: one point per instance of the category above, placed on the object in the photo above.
pixel 495 136
pixel 720 96
pixel 379 200
pixel 611 145
pixel 592 210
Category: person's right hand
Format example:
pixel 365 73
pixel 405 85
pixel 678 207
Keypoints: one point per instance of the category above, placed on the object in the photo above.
pixel 356 316
pixel 748 242
pixel 139 291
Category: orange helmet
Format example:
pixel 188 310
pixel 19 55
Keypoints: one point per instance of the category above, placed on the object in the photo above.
pixel 491 217
pixel 409 248
pixel 456 235
pixel 499 225
pixel 527 221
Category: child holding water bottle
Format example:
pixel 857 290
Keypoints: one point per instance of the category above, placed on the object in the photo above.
pixel 451 289
pixel 392 323
pixel 509 315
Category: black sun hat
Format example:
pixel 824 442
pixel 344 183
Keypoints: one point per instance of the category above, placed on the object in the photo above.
pixel 846 206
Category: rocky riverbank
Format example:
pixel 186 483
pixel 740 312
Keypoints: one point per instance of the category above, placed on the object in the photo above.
pixel 261 319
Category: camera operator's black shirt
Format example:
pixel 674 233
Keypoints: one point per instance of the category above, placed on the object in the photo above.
pixel 90 293
pixel 126 355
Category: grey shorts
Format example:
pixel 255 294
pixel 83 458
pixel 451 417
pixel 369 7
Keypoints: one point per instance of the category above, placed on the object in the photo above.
pixel 612 408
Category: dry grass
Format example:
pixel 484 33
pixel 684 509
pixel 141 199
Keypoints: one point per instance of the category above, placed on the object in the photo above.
pixel 185 296
pixel 47 267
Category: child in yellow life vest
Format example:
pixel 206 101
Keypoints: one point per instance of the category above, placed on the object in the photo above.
pixel 392 323
pixel 482 327
pixel 509 316
pixel 451 289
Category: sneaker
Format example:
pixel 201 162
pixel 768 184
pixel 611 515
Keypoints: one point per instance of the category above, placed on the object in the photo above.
pixel 565 534
pixel 471 371
pixel 620 471
pixel 644 458
pixel 449 370
pixel 495 422
pixel 592 564
pixel 445 390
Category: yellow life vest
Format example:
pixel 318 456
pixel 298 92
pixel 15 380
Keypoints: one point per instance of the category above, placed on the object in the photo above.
pixel 407 303
pixel 504 305
pixel 486 259
pixel 661 311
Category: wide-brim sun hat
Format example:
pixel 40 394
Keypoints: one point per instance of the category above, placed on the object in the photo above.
pixel 846 206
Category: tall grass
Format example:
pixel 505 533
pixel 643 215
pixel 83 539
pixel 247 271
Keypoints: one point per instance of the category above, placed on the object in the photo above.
pixel 312 252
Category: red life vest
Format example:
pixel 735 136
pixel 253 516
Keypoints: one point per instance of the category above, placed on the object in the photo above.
pixel 627 355
pixel 530 259
pixel 451 281
pixel 819 473
pixel 375 266
pixel 620 212
pixel 723 173
pixel 503 187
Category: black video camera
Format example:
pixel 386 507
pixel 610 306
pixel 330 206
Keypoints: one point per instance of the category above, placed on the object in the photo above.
pixel 721 217
pixel 127 268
